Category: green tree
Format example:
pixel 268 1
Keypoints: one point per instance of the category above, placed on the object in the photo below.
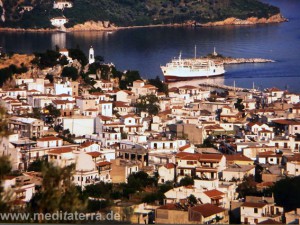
pixel 129 77
pixel 52 111
pixel 46 59
pixel 286 193
pixel 207 143
pixel 57 193
pixel 3 123
pixel 162 87
pixel 71 72
pixel 148 103
pixel 36 165
pixel 5 168
pixel 5 164
pixel 239 105
pixel 186 181
pixel 192 199
pixel 36 113
pixel 76 53
pixel 247 187
pixel 99 190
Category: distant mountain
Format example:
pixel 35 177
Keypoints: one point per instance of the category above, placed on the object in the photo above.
pixel 130 12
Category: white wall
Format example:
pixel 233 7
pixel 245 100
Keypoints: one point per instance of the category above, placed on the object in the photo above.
pixel 79 126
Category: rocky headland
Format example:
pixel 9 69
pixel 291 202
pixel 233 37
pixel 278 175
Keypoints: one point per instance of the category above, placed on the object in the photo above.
pixel 246 60
pixel 278 18
pixel 108 26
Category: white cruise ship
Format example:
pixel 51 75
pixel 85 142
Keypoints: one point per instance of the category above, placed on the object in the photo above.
pixel 186 69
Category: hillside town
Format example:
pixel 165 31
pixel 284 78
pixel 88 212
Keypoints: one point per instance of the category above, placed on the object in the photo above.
pixel 180 155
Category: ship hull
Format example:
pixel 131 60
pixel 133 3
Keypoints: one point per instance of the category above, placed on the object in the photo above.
pixel 169 78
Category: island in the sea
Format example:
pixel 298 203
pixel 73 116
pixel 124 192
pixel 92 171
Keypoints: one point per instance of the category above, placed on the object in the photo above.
pixel 76 15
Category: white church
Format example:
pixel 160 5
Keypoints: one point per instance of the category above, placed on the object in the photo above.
pixel 91 55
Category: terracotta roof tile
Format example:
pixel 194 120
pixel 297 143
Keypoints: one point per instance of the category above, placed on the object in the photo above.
pixel 170 165
pixel 60 150
pixel 105 163
pixel 49 138
pixel 207 209
pixel 254 204
pixel 94 154
pixel 213 193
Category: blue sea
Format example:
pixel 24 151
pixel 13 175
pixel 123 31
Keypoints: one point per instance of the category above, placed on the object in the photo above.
pixel 145 49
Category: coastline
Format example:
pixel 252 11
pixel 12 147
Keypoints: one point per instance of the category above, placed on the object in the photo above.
pixel 97 26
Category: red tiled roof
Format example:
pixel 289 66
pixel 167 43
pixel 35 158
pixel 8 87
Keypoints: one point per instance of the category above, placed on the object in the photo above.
pixel 270 221
pixel 254 204
pixel 213 127
pixel 210 157
pixel 105 163
pixel 213 193
pixel 250 124
pixel 121 104
pixel 91 110
pixel 105 118
pixel 207 210
pixel 170 165
pixel 60 150
pixel 86 144
pixel 173 89
pixel 183 154
pixel 94 154
pixel 149 86
pixel 237 157
pixel 274 89
pixel 49 138
pixel 184 147
pixel 287 122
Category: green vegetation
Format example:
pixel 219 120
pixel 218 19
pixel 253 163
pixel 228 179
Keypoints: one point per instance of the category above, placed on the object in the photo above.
pixel 71 72
pixel 148 103
pixel 128 78
pixel 3 123
pixel 57 191
pixel 37 165
pixel 239 105
pixel 76 53
pixel 134 12
pixel 286 193
pixel 8 72
pixel 161 86
pixel 186 181
pixel 247 187
pixel 46 59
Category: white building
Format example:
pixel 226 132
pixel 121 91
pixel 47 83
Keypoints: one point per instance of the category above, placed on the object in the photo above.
pixel 63 89
pixel 166 173
pixel 79 125
pixel 49 141
pixel 58 21
pixel 58 4
pixel 91 55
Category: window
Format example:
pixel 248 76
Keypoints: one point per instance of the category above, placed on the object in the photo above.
pixel 255 210
pixel 271 159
